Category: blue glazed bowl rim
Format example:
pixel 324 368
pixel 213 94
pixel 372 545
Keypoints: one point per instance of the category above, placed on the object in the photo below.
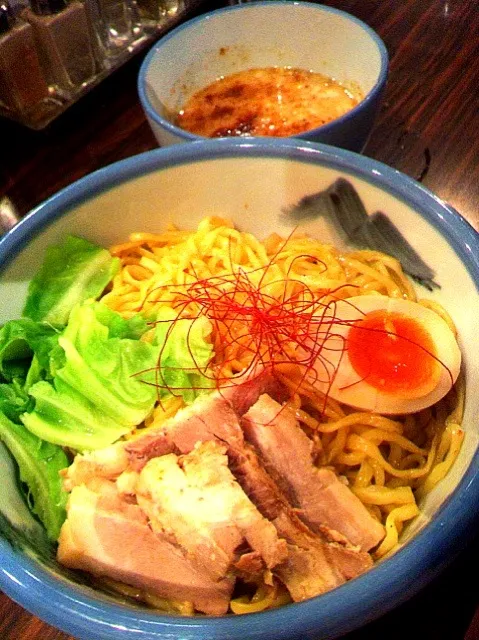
pixel 311 134
pixel 332 614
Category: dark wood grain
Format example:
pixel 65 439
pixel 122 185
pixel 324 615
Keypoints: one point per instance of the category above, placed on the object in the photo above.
pixel 428 127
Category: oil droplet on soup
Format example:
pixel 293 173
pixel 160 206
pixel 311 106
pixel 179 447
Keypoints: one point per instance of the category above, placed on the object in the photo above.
pixel 273 101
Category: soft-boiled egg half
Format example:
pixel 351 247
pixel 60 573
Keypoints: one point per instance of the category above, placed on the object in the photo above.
pixel 386 355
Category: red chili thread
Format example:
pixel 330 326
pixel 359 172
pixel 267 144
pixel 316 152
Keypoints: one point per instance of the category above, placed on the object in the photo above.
pixel 245 316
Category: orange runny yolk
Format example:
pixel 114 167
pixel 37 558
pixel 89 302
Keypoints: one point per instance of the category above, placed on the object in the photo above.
pixel 393 353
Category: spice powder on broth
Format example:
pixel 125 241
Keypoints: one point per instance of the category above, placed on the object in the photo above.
pixel 273 101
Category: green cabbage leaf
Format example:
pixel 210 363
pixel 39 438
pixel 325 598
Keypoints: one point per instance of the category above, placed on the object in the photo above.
pixel 110 381
pixel 22 339
pixel 72 272
pixel 39 465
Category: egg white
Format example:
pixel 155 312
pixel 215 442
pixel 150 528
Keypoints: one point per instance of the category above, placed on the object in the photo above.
pixel 340 381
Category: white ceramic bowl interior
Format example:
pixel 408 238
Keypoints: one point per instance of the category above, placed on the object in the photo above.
pixel 253 35
pixel 253 183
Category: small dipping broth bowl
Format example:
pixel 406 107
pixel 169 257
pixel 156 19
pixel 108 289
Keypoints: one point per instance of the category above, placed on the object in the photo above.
pixel 259 35
pixel 254 183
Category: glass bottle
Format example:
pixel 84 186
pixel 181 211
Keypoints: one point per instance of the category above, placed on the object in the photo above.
pixel 64 42
pixel 24 91
pixel 155 13
pixel 117 25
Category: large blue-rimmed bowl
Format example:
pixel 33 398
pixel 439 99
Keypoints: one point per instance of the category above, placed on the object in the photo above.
pixel 273 33
pixel 253 183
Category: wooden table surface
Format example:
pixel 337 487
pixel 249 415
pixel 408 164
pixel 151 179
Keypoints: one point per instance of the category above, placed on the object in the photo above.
pixel 428 128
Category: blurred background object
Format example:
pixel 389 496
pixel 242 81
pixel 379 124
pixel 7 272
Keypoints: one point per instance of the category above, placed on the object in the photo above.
pixel 8 215
pixel 53 52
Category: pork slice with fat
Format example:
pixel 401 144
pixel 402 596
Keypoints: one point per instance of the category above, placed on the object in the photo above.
pixel 322 498
pixel 316 563
pixel 107 463
pixel 241 393
pixel 195 500
pixel 106 536
pixel 210 417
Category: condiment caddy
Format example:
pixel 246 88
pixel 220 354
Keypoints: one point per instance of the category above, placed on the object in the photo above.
pixel 52 52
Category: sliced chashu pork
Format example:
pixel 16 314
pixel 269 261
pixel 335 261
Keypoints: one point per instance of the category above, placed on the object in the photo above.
pixel 315 564
pixel 194 505
pixel 322 498
pixel 210 417
pixel 107 536
pixel 107 463
pixel 195 500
